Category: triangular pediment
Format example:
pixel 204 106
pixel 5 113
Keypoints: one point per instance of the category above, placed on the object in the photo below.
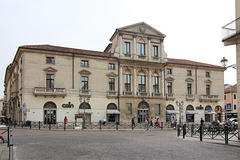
pixel 169 79
pixel 208 81
pixel 111 74
pixel 50 69
pixel 142 28
pixel 189 80
pixel 84 72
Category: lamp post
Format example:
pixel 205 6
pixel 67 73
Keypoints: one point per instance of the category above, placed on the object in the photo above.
pixel 49 118
pixel 180 105
pixel 224 64
pixel 84 101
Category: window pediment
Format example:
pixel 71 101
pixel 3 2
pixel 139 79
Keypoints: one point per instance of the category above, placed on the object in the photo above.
pixel 50 69
pixel 208 81
pixel 84 72
pixel 169 79
pixel 189 80
pixel 111 74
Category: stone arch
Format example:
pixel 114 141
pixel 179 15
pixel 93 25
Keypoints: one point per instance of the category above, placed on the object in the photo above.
pixel 170 107
pixel 111 106
pixel 49 104
pixel 189 107
pixel 143 105
pixel 84 105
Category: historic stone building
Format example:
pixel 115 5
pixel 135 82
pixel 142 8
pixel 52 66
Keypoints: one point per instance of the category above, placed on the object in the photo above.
pixel 132 77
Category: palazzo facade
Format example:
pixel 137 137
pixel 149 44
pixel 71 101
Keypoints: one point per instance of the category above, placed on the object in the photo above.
pixel 132 77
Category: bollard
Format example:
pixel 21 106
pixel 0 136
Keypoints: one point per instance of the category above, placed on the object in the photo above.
pixel 8 135
pixel 100 125
pixel 201 130
pixel 64 126
pixel 30 124
pixel 161 125
pixel 226 134
pixel 39 125
pixel 22 124
pixel 116 125
pixel 10 146
pixel 178 130
pixel 184 131
pixel 49 126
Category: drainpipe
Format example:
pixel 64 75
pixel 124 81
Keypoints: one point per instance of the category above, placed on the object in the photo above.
pixel 118 88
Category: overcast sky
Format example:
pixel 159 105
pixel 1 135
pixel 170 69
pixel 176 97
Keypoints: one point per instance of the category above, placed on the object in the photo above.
pixel 192 27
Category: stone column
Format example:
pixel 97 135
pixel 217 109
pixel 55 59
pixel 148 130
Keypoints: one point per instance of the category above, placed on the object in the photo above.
pixel 120 80
pixel 134 81
pixel 134 47
pixel 238 81
pixel 150 81
pixel 149 53
pixel 120 45
pixel 162 84
pixel 161 51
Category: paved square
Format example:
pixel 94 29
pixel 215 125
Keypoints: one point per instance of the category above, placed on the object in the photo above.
pixel 137 144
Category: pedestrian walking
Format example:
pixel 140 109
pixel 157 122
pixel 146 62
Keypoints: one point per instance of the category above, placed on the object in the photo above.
pixel 173 122
pixel 133 122
pixel 151 122
pixel 146 124
pixel 201 122
pixel 65 120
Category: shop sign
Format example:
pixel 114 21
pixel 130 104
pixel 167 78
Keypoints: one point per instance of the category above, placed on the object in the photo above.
pixel 199 107
pixel 69 105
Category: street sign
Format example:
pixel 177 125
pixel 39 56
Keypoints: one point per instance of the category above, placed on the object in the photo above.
pixel 229 106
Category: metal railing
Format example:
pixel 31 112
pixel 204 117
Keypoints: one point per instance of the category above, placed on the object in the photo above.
pixel 231 29
pixel 6 136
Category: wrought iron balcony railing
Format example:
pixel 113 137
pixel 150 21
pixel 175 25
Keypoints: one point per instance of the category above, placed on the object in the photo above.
pixel 231 29
pixel 43 91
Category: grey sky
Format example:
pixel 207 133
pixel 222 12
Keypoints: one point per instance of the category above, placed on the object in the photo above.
pixel 192 28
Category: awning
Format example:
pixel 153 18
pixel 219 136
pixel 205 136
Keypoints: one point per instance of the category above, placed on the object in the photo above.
pixel 212 112
pixel 191 112
pixel 87 111
pixel 172 112
pixel 112 111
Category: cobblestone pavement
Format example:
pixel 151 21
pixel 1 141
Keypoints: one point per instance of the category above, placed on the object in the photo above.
pixel 117 145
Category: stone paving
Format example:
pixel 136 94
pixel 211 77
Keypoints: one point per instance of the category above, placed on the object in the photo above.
pixel 137 144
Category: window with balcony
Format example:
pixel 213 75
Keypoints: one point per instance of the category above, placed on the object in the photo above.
pixel 50 81
pixel 84 63
pixel 142 83
pixel 155 84
pixel 127 48
pixel 169 71
pixel 84 83
pixel 189 73
pixel 208 89
pixel 155 51
pixel 50 60
pixel 169 87
pixel 111 84
pixel 141 49
pixel 111 66
pixel 127 82
pixel 129 108
pixel 189 88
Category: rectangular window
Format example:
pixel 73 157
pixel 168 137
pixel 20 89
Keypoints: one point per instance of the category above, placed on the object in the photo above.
pixel 111 84
pixel 189 88
pixel 127 82
pixel 207 89
pixel 50 60
pixel 235 107
pixel 84 63
pixel 111 66
pixel 169 87
pixel 129 108
pixel 50 81
pixel 157 109
pixel 84 83
pixel 141 49
pixel 127 47
pixel 207 74
pixel 234 96
pixel 142 83
pixel 155 51
pixel 224 97
pixel 189 73
pixel 169 71
pixel 155 84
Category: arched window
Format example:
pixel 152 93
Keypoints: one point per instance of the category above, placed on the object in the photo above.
pixel 143 109
pixel 49 113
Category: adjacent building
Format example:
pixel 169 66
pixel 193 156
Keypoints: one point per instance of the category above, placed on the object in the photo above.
pixel 132 77
pixel 230 97
pixel 231 36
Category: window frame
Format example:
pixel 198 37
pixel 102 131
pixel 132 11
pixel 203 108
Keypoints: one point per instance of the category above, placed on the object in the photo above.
pixel 50 78
pixel 127 47
pixel 169 70
pixel 208 89
pixel 111 83
pixel 128 108
pixel 141 49
pixel 155 84
pixel 127 82
pixel 155 51
pixel 50 60
pixel 169 87
pixel 84 63
pixel 111 66
pixel 84 82
pixel 141 83
pixel 189 73
pixel 208 75
pixel 189 88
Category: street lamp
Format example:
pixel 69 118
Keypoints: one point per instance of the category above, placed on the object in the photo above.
pixel 224 62
pixel 84 101
pixel 180 105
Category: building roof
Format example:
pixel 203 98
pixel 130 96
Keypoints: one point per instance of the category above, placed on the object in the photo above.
pixel 191 63
pixel 231 89
pixel 46 47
